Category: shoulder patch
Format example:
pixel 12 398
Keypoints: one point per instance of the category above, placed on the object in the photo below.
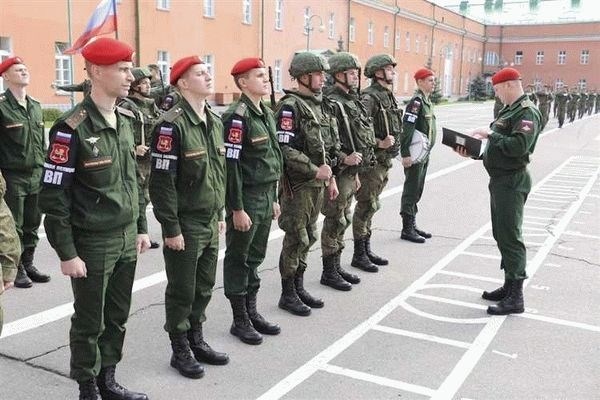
pixel 173 114
pixel 76 119
pixel 527 103
pixel 2 97
pixel 414 106
pixel 526 126
pixel 126 112
pixel 241 109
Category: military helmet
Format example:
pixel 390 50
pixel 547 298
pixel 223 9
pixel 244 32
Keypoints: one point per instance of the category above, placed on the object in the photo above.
pixel 342 61
pixel 378 62
pixel 140 73
pixel 307 62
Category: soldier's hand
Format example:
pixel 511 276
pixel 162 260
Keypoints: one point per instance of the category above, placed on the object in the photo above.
pixel 406 162
pixel 241 221
pixel 175 243
pixel 480 133
pixel 332 189
pixel 357 182
pixel 75 268
pixel 387 142
pixel 142 242
pixel 141 150
pixel 353 159
pixel 461 151
pixel 324 173
pixel 7 285
pixel 221 227
pixel 276 210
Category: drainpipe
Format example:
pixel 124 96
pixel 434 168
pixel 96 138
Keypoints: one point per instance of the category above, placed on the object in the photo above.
pixel 348 30
pixel 430 60
pixel 395 28
pixel 462 53
pixel 138 17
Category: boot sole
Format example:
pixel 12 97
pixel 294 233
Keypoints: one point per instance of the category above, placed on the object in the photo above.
pixel 253 342
pixel 188 375
pixel 380 263
pixel 333 286
pixel 491 298
pixel 301 314
pixel 492 311
pixel 23 285
pixel 421 241
pixel 211 361
pixel 38 280
pixel 372 270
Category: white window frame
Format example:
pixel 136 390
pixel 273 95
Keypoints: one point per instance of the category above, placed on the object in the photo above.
pixel 352 30
pixel 562 57
pixel 209 8
pixel 277 76
pixel 163 5
pixel 417 44
pixel 539 57
pixel 397 40
pixel 247 12
pixel 62 64
pixel 279 14
pixel 5 52
pixel 582 84
pixel 558 84
pixel 209 61
pixel 306 19
pixel 386 37
pixel 426 44
pixel 519 57
pixel 163 61
pixel 371 33
pixel 407 41
pixel 331 26
pixel 584 58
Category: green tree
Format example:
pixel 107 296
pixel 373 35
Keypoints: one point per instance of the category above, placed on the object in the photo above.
pixel 436 95
pixel 477 89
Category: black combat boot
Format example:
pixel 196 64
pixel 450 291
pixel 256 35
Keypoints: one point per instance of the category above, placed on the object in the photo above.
pixel 22 280
pixel 88 390
pixel 154 245
pixel 408 230
pixel 498 294
pixel 182 359
pixel 513 302
pixel 241 326
pixel 32 272
pixel 348 277
pixel 258 321
pixel 360 259
pixel 202 351
pixel 290 301
pixel 304 296
pixel 374 258
pixel 420 232
pixel 111 390
pixel 331 277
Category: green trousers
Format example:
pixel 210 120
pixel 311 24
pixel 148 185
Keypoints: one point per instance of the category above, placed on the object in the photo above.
pixel 372 183
pixel 507 200
pixel 299 214
pixel 337 214
pixel 246 250
pixel 191 274
pixel 102 299
pixel 414 182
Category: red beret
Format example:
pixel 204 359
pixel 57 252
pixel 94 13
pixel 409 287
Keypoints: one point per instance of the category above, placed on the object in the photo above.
pixel 246 65
pixel 423 73
pixel 505 74
pixel 181 66
pixel 9 62
pixel 107 51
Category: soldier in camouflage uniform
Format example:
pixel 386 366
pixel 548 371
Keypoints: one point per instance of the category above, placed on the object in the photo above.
pixel 308 138
pixel 10 247
pixel 561 100
pixel 383 109
pixel 356 144
pixel 572 104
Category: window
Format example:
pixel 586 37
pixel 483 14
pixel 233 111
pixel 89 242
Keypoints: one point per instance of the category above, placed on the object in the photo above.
pixel 163 4
pixel 582 84
pixel 209 60
pixel 433 47
pixel 407 41
pixel 386 37
pixel 405 82
pixel 562 57
pixel 4 54
pixel 247 11
pixel 397 40
pixel 519 57
pixel 352 30
pixel 426 44
pixel 278 14
pixel 370 33
pixel 277 76
pixel 558 84
pixel 491 58
pixel 163 61
pixel 331 26
pixel 209 8
pixel 417 44
pixel 62 64
pixel 306 19
pixel 539 58
pixel 584 58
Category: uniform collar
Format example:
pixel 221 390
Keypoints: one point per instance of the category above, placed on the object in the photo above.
pixel 246 100
pixel 13 100
pixel 98 121
pixel 425 98
pixel 195 118
pixel 316 98
pixel 517 102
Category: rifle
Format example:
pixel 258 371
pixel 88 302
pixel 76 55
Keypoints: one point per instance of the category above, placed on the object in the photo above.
pixel 359 81
pixel 272 96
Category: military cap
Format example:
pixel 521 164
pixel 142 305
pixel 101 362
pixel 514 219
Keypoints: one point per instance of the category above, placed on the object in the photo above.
pixel 181 66
pixel 423 73
pixel 140 73
pixel 505 74
pixel 246 65
pixel 378 62
pixel 107 51
pixel 9 62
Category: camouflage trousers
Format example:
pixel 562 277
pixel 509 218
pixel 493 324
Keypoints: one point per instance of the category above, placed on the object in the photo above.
pixel 372 182
pixel 299 213
pixel 10 249
pixel 337 214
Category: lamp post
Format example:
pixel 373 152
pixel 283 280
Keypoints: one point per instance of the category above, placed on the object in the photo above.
pixel 308 28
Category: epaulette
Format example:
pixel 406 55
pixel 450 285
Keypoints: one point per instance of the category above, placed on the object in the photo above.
pixel 172 114
pixel 241 109
pixel 213 112
pixel 527 103
pixel 126 112
pixel 34 99
pixel 2 97
pixel 76 119
pixel 127 104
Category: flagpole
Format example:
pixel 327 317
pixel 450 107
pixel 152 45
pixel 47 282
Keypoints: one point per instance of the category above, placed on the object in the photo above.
pixel 114 2
pixel 71 56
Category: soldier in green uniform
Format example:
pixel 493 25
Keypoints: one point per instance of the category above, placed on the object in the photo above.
pixel 590 102
pixel 561 100
pixel 187 188
pixel 530 92
pixel 356 145
pixel 572 104
pixel 307 135
pixel 512 139
pixel 10 246
pixel 544 99
pixel 254 165
pixel 85 87
pixel 581 104
pixel 597 109
pixel 21 159
pixel 142 105
pixel 93 219
pixel 417 116
pixel 383 110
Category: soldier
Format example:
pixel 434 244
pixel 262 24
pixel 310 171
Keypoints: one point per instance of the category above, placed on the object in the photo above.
pixel 142 105
pixel 85 87
pixel 597 103
pixel 561 100
pixel 572 105
pixel 530 92
pixel 581 104
pixel 590 102
pixel 91 166
pixel 21 159
pixel 187 188
pixel 10 246
pixel 307 135
pixel 418 116
pixel 254 165
pixel 511 140
pixel 383 109
pixel 544 99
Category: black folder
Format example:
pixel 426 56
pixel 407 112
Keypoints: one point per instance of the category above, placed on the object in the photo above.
pixel 453 139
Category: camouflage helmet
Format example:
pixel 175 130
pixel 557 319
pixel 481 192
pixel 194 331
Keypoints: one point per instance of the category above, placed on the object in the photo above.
pixel 342 61
pixel 307 62
pixel 378 62
pixel 140 73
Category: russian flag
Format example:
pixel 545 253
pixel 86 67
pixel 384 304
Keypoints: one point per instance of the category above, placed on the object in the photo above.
pixel 103 21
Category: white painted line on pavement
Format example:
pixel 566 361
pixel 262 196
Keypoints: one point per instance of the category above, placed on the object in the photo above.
pixel 475 254
pixel 579 234
pixel 558 321
pixel 472 276
pixel 552 265
pixel 560 246
pixel 513 356
pixel 543 208
pixel 453 302
pixel 421 336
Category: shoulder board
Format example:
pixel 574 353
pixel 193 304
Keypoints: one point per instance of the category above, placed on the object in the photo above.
pixel 241 109
pixel 2 97
pixel 527 103
pixel 76 119
pixel 127 104
pixel 213 113
pixel 126 112
pixel 172 114
pixel 33 98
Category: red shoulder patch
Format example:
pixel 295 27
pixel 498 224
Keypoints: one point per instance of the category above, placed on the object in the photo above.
pixel 235 135
pixel 165 143
pixel 59 153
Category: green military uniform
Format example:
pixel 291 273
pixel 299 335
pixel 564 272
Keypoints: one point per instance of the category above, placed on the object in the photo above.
pixel 10 247
pixel 497 106
pixel 92 205
pixel 514 136
pixel 561 101
pixel 590 103
pixel 544 100
pixel 187 188
pixel 254 165
pixel 581 104
pixel 532 96
pixel 85 87
pixel 572 106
